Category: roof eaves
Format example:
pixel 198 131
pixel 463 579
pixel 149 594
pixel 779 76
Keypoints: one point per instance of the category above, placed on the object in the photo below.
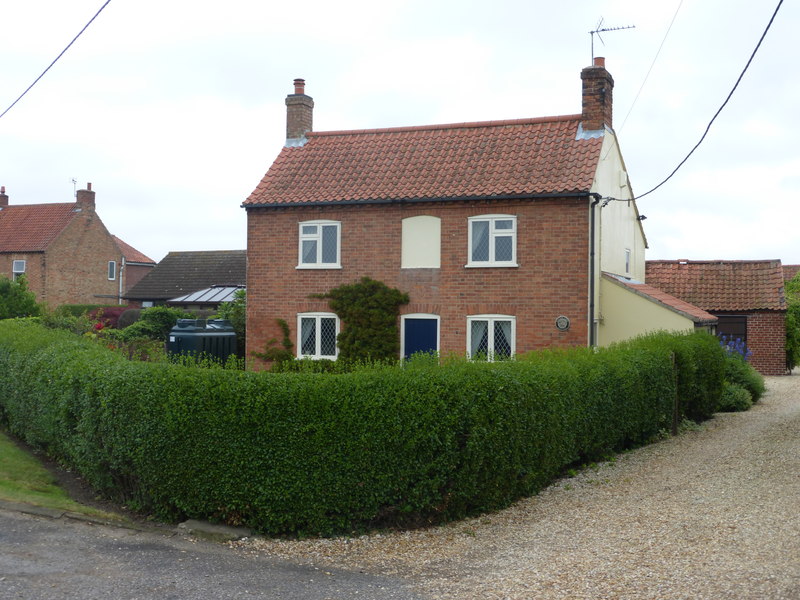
pixel 353 202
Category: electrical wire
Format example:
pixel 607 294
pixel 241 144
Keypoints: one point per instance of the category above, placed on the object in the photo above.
pixel 652 64
pixel 697 145
pixel 55 60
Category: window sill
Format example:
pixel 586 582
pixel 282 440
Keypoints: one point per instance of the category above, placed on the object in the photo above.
pixel 317 267
pixel 491 266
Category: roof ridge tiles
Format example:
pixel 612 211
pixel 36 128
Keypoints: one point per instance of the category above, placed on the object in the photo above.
pixel 445 126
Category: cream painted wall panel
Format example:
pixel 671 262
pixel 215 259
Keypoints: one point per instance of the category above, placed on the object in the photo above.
pixel 421 242
pixel 626 315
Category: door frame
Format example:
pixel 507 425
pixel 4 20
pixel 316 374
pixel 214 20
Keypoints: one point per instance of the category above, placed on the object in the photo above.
pixel 428 316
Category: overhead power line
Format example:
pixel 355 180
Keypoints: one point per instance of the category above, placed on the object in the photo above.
pixel 708 127
pixel 55 60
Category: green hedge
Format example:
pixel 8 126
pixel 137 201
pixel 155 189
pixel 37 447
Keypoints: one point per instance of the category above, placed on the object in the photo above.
pixel 288 453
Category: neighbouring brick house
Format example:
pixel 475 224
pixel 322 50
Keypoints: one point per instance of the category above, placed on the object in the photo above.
pixel 747 296
pixel 499 231
pixel 180 274
pixel 65 252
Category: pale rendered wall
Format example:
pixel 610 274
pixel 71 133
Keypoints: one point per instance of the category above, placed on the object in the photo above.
pixel 626 315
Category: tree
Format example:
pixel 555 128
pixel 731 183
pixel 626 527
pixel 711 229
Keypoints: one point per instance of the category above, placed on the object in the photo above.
pixel 16 300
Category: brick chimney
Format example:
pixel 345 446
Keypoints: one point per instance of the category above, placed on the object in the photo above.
pixel 3 197
pixel 85 198
pixel 597 98
pixel 299 114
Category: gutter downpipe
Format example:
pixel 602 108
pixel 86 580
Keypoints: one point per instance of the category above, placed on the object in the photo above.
pixel 121 269
pixel 592 268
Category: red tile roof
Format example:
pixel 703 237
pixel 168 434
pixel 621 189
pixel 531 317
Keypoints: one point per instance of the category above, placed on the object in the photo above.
pixel 131 254
pixel 32 227
pixel 696 314
pixel 719 285
pixel 789 271
pixel 468 160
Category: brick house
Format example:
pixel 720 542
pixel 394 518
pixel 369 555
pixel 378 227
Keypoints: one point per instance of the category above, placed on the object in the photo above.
pixel 65 252
pixel 790 271
pixel 747 296
pixel 499 231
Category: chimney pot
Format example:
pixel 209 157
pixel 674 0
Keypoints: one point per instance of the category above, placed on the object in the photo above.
pixel 600 61
pixel 3 196
pixel 299 86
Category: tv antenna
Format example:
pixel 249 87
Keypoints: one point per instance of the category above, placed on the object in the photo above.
pixel 600 29
pixel 74 186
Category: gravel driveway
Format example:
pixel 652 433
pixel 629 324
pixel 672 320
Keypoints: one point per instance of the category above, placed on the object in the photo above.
pixel 711 514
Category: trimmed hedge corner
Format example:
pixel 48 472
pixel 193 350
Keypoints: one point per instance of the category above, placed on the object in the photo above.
pixel 320 454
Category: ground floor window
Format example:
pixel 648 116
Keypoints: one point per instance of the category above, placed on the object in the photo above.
pixel 317 335
pixel 18 269
pixel 491 337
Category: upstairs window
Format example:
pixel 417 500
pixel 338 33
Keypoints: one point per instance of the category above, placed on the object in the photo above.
pixel 316 334
pixel 319 245
pixel 17 269
pixel 491 337
pixel 493 241
pixel 112 270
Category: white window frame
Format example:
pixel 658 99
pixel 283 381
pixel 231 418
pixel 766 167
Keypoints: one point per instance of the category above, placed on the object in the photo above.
pixel 491 320
pixel 627 261
pixel 112 270
pixel 317 316
pixel 493 233
pixel 318 264
pixel 16 270
pixel 419 316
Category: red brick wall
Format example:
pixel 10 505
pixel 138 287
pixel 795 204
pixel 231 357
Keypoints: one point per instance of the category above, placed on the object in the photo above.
pixel 551 280
pixel 76 264
pixel 133 274
pixel 766 338
pixel 34 268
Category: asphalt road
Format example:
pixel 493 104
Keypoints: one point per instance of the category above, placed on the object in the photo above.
pixel 60 559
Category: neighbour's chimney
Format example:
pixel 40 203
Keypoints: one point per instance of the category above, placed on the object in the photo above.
pixel 597 99
pixel 85 198
pixel 299 114
pixel 3 196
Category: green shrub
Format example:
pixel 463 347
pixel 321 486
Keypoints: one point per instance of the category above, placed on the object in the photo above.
pixel 154 323
pixel 328 453
pixel 16 300
pixel 735 398
pixel 129 317
pixel 741 372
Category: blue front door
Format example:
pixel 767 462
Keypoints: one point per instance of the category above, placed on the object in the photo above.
pixel 421 335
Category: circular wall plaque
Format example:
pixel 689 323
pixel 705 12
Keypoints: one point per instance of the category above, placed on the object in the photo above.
pixel 562 323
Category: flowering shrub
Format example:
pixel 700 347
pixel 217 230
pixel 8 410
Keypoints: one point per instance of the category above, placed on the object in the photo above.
pixel 735 346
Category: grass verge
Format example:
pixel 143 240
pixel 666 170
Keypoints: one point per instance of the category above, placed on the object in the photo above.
pixel 23 479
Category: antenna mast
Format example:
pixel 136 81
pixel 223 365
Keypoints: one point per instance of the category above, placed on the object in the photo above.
pixel 600 29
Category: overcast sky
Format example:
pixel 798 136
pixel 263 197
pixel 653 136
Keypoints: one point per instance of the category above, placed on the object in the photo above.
pixel 174 109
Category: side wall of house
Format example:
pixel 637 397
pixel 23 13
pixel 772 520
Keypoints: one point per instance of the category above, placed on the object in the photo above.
pixel 76 264
pixel 626 315
pixel 766 338
pixel 551 278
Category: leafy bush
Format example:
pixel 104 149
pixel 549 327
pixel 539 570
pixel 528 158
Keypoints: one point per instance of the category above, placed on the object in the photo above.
pixel 235 311
pixel 16 300
pixel 108 316
pixel 369 311
pixel 735 398
pixel 288 453
pixel 128 317
pixel 154 323
pixel 740 372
